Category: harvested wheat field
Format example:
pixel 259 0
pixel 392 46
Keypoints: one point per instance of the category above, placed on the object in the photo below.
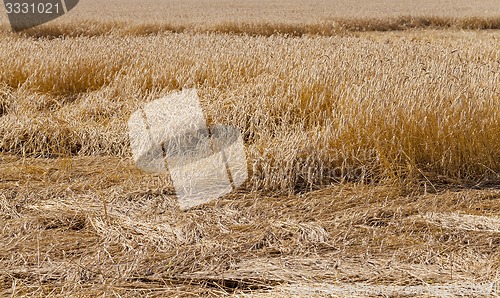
pixel 372 136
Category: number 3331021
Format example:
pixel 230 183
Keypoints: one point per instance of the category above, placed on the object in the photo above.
pixel 34 8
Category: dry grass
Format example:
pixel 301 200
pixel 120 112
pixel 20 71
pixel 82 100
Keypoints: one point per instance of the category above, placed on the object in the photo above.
pixel 313 110
pixel 258 17
pixel 374 156
pixel 336 26
pixel 91 225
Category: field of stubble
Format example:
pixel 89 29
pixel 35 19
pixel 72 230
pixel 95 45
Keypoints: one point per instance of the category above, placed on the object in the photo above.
pixel 372 136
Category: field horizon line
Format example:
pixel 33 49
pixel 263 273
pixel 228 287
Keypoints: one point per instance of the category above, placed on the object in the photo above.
pixel 332 27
